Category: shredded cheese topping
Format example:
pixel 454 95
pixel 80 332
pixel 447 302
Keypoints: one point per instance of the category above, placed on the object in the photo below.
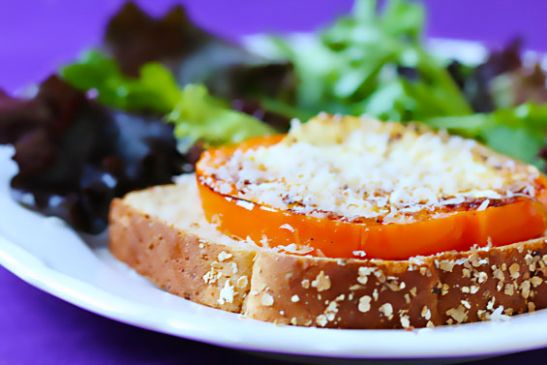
pixel 363 168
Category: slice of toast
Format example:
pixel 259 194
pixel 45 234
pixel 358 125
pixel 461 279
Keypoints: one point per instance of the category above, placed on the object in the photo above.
pixel 162 233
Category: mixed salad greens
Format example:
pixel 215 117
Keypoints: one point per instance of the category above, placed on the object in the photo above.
pixel 377 63
pixel 138 109
pixel 197 115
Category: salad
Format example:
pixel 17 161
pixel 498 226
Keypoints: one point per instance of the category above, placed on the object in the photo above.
pixel 140 108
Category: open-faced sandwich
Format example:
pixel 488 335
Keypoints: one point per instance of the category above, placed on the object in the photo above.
pixel 346 222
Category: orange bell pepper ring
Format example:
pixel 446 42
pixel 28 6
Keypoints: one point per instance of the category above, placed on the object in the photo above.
pixel 515 220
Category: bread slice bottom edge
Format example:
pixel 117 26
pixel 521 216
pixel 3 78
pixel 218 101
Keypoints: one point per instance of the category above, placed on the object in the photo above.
pixel 162 234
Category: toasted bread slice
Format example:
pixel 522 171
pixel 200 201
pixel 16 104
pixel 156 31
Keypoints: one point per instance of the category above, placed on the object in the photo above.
pixel 162 233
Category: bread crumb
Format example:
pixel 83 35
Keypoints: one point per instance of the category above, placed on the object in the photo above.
pixel 445 289
pixel 466 273
pixel 481 277
pixel 525 289
pixel 426 313
pixel 395 286
pixel 363 273
pixel 226 294
pixel 331 310
pixel 476 261
pixel 446 265
pixel 514 270
pixel 416 261
pixel 375 294
pixel 405 320
pixel 536 281
pixel 266 300
pixel 223 256
pixel 305 284
pixel 321 282
pixel 387 310
pixel 531 261
pixel 458 314
pixel 498 274
pixel 321 320
pixel 211 276
pixel 364 303
pixel 295 298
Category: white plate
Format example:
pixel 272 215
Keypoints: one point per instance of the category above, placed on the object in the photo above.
pixel 47 254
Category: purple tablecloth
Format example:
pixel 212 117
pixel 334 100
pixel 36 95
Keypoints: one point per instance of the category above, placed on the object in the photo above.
pixel 36 36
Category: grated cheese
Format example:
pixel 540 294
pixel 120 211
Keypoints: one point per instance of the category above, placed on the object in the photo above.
pixel 363 168
pixel 226 294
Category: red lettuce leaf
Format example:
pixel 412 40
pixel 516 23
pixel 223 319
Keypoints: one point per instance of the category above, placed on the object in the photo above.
pixel 75 156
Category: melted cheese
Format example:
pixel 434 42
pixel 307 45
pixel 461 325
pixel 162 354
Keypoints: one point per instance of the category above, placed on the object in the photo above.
pixel 362 168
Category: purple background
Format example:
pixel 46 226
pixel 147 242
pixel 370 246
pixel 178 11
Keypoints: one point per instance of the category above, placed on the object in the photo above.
pixel 36 36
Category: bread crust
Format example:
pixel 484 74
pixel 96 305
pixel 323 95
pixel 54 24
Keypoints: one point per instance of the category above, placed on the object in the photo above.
pixel 448 288
pixel 179 262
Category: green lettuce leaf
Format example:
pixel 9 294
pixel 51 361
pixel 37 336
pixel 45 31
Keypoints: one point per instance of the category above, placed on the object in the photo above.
pixel 199 116
pixel 373 63
pixel 154 90
pixel 520 132
pixel 196 114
